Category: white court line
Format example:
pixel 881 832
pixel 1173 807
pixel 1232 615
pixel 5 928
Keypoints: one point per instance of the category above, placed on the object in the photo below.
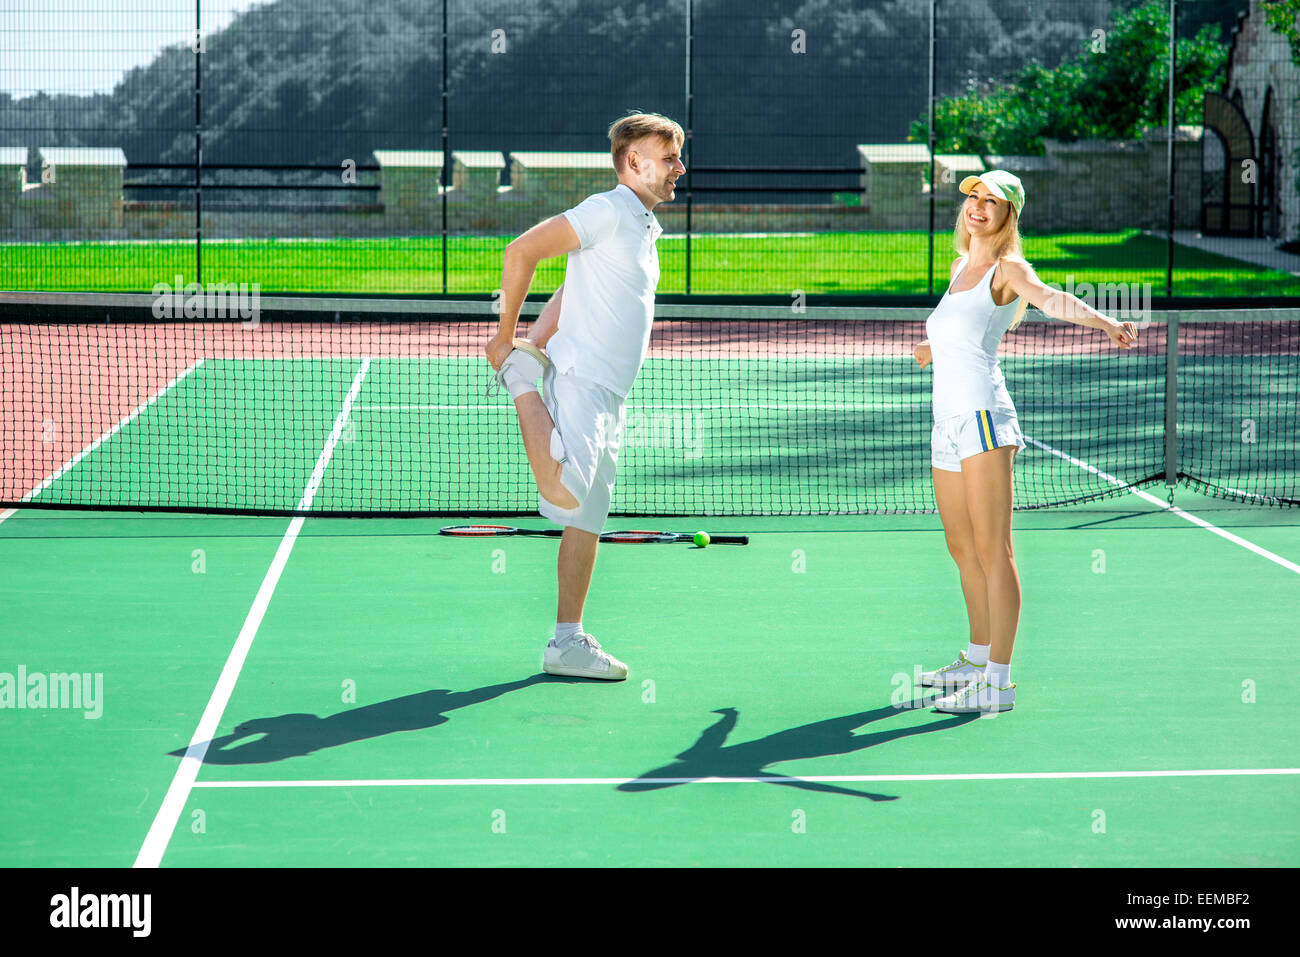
pixel 689 407
pixel 696 235
pixel 720 406
pixel 164 824
pixel 63 469
pixel 820 778
pixel 1194 519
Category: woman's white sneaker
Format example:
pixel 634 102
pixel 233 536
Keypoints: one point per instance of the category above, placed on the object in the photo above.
pixel 582 657
pixel 960 672
pixel 978 697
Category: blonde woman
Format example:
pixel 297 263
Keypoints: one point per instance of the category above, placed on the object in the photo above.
pixel 976 434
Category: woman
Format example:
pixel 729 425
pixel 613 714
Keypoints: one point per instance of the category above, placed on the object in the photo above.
pixel 976 435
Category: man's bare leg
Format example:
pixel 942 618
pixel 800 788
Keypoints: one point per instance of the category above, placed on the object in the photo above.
pixel 536 425
pixel 574 568
pixel 572 651
pixel 535 422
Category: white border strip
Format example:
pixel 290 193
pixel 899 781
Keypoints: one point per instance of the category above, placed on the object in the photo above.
pixel 355 306
pixel 164 823
pixel 825 778
pixel 1173 509
pixel 63 470
pixel 702 409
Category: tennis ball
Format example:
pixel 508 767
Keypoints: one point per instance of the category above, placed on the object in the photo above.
pixel 701 539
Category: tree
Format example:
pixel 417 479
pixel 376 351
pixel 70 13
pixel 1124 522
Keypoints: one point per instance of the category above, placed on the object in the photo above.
pixel 1284 17
pixel 1117 85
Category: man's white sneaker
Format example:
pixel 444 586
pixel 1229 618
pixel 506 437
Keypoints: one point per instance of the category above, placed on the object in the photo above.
pixel 582 657
pixel 960 672
pixel 978 696
pixel 523 357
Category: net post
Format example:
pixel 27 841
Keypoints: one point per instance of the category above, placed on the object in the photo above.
pixel 1171 404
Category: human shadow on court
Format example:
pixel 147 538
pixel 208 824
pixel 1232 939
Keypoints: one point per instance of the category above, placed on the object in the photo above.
pixel 712 757
pixel 295 735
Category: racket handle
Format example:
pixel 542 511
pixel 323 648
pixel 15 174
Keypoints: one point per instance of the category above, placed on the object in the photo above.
pixel 728 539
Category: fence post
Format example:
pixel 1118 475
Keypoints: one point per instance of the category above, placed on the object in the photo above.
pixel 198 143
pixel 443 181
pixel 929 259
pixel 690 123
pixel 1173 129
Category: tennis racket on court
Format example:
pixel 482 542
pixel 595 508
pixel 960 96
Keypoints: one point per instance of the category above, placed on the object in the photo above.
pixel 631 538
pixel 670 538
pixel 487 531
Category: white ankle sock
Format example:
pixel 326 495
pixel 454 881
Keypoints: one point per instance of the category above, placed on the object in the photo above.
pixel 997 675
pixel 977 655
pixel 565 631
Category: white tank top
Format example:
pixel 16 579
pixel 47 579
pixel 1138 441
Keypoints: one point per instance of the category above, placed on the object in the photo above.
pixel 964 332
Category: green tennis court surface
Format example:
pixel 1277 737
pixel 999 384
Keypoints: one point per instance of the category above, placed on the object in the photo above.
pixel 391 710
pixel 367 692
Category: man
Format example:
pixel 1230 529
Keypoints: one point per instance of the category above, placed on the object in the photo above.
pixel 595 331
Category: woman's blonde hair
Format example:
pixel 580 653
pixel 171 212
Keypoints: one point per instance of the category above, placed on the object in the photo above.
pixel 627 130
pixel 1006 245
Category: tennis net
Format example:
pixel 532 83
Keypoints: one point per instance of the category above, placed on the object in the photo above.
pixel 377 407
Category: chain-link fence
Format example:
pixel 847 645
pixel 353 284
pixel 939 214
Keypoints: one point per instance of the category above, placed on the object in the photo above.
pixel 395 147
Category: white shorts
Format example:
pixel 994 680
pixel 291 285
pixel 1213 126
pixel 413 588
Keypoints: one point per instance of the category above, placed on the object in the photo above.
pixel 588 430
pixel 961 436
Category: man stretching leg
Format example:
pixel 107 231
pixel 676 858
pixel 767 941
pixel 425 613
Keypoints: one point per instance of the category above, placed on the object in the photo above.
pixel 595 331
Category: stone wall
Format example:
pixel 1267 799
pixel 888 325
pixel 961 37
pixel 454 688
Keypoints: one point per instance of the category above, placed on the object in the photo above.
pixel 1088 186
pixel 763 218
pixel 1260 62
pixel 409 193
pixel 894 190
pixel 562 179
pixel 12 161
pixel 176 221
pixel 84 198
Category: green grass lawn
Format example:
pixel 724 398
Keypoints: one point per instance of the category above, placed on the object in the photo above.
pixel 861 263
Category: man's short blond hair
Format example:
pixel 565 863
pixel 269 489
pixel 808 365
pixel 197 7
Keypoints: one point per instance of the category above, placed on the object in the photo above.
pixel 635 126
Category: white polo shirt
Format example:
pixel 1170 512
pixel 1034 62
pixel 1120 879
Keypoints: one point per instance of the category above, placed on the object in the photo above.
pixel 609 290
